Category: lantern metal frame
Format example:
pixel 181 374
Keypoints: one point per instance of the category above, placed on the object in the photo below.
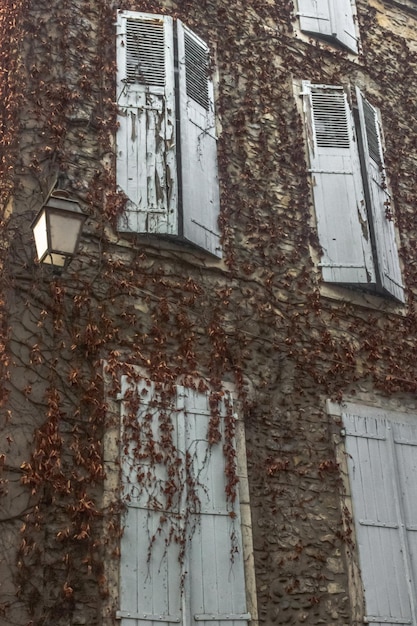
pixel 57 230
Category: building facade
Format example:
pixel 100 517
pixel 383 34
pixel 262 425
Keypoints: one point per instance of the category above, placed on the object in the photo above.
pixel 210 415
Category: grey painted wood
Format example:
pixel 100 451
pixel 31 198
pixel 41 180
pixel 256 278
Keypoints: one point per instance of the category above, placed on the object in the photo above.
pixel 332 19
pixel 380 200
pixel 146 137
pixel 338 193
pixel 156 585
pixel 343 18
pixel 216 548
pixel 150 575
pixel 383 476
pixel 199 176
pixel 314 17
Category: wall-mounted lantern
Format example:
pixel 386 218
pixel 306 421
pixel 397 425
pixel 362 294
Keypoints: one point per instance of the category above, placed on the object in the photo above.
pixel 57 229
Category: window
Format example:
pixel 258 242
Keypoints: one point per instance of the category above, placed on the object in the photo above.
pixel 333 20
pixel 381 450
pixel 181 549
pixel 352 201
pixel 166 142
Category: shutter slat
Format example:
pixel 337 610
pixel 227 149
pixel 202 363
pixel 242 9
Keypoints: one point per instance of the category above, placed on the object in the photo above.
pixel 330 120
pixel 145 617
pixel 145 54
pixel 225 617
pixel 196 71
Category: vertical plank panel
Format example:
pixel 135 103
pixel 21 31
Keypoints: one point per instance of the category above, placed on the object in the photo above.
pixel 376 513
pixel 219 589
pixel 380 201
pixel 405 441
pixel 150 568
pixel 153 583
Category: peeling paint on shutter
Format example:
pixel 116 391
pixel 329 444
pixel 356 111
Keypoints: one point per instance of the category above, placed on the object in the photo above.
pixel 146 142
pixel 380 201
pixel 338 194
pixel 382 462
pixel 330 19
pixel 199 176
pixel 314 17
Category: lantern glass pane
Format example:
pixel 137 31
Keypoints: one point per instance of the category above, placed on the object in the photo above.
pixel 58 260
pixel 65 230
pixel 41 236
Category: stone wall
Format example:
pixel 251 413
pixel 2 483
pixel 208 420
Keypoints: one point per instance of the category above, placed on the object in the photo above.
pixel 260 319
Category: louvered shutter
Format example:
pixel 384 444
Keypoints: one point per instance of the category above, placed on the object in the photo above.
pixel 330 19
pixel 150 571
pixel 156 586
pixel 146 144
pixel 339 201
pixel 199 176
pixel 384 540
pixel 217 583
pixel 380 201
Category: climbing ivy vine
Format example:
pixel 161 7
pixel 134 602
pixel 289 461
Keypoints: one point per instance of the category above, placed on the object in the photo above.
pixel 257 319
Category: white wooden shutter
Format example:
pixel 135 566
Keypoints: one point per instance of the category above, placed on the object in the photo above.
pixel 217 583
pixel 337 187
pixel 156 586
pixel 405 440
pixel 380 201
pixel 344 23
pixel 382 479
pixel 150 572
pixel 199 176
pixel 330 19
pixel 146 143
